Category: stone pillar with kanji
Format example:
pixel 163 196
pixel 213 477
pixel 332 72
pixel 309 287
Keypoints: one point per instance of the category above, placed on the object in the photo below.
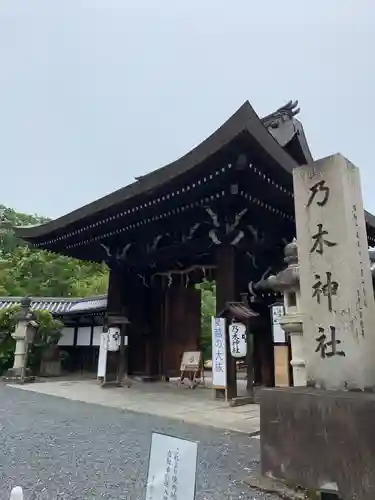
pixel 321 436
pixel 335 278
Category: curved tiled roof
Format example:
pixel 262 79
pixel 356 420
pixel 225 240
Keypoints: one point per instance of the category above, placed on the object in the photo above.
pixel 279 126
pixel 279 134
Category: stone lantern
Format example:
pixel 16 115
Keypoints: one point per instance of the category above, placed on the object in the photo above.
pixel 287 282
pixel 23 335
pixel 292 321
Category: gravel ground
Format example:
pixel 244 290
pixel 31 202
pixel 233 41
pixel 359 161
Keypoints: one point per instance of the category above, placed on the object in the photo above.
pixel 56 448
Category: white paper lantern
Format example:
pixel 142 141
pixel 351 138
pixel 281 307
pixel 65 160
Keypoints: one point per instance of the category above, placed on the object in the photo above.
pixel 114 339
pixel 237 340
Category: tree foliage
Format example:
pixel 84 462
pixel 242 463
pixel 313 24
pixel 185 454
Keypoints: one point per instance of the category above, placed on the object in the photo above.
pixel 208 309
pixel 29 271
pixel 7 343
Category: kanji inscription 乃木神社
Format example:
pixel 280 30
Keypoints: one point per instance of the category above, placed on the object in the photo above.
pixel 336 289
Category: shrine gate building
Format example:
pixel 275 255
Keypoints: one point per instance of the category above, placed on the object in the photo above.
pixel 223 212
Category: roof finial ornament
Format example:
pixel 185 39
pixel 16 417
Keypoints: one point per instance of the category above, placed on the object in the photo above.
pixel 281 115
pixel 290 108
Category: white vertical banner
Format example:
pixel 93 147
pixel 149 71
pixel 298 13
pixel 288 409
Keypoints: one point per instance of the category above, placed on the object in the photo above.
pixel 103 351
pixel 219 353
pixel 172 468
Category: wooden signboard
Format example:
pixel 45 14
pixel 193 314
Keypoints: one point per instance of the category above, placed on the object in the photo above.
pixel 191 361
pixel 192 368
pixel 281 355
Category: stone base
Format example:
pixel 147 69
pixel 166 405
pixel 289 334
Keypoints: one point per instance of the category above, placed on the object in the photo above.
pixel 109 384
pixel 14 375
pixel 219 394
pixel 125 382
pixel 147 378
pixel 150 378
pixel 272 486
pixel 241 401
pixel 321 441
pixel 106 383
pixel 50 368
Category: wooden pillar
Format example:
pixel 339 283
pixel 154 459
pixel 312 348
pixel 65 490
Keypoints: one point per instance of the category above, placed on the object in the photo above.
pixel 249 362
pixel 153 297
pixel 122 366
pixel 182 324
pixel 227 291
pixel 249 352
pixel 116 301
pixel 148 368
pixel 151 360
pixel 118 304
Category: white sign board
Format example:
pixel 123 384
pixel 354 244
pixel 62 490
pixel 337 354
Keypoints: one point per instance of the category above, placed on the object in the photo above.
pixel 172 468
pixel 219 353
pixel 237 339
pixel 277 312
pixel 103 351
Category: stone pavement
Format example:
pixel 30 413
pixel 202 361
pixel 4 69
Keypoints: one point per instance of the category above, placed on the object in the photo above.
pixel 162 399
pixel 62 449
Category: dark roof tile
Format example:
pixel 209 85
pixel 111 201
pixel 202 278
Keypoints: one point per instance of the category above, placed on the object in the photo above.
pixel 59 305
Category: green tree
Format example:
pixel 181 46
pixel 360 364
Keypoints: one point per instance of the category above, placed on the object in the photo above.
pixel 7 343
pixel 208 309
pixel 92 284
pixel 29 271
pixel 26 271
pixel 47 335
pixel 8 241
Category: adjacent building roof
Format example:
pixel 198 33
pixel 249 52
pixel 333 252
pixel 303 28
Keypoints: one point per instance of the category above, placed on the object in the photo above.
pixel 88 305
pixel 59 305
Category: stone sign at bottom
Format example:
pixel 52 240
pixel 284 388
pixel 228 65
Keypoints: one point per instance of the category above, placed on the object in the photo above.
pixel 172 468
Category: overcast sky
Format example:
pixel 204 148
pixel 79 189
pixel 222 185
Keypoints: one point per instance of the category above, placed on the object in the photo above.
pixel 96 92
